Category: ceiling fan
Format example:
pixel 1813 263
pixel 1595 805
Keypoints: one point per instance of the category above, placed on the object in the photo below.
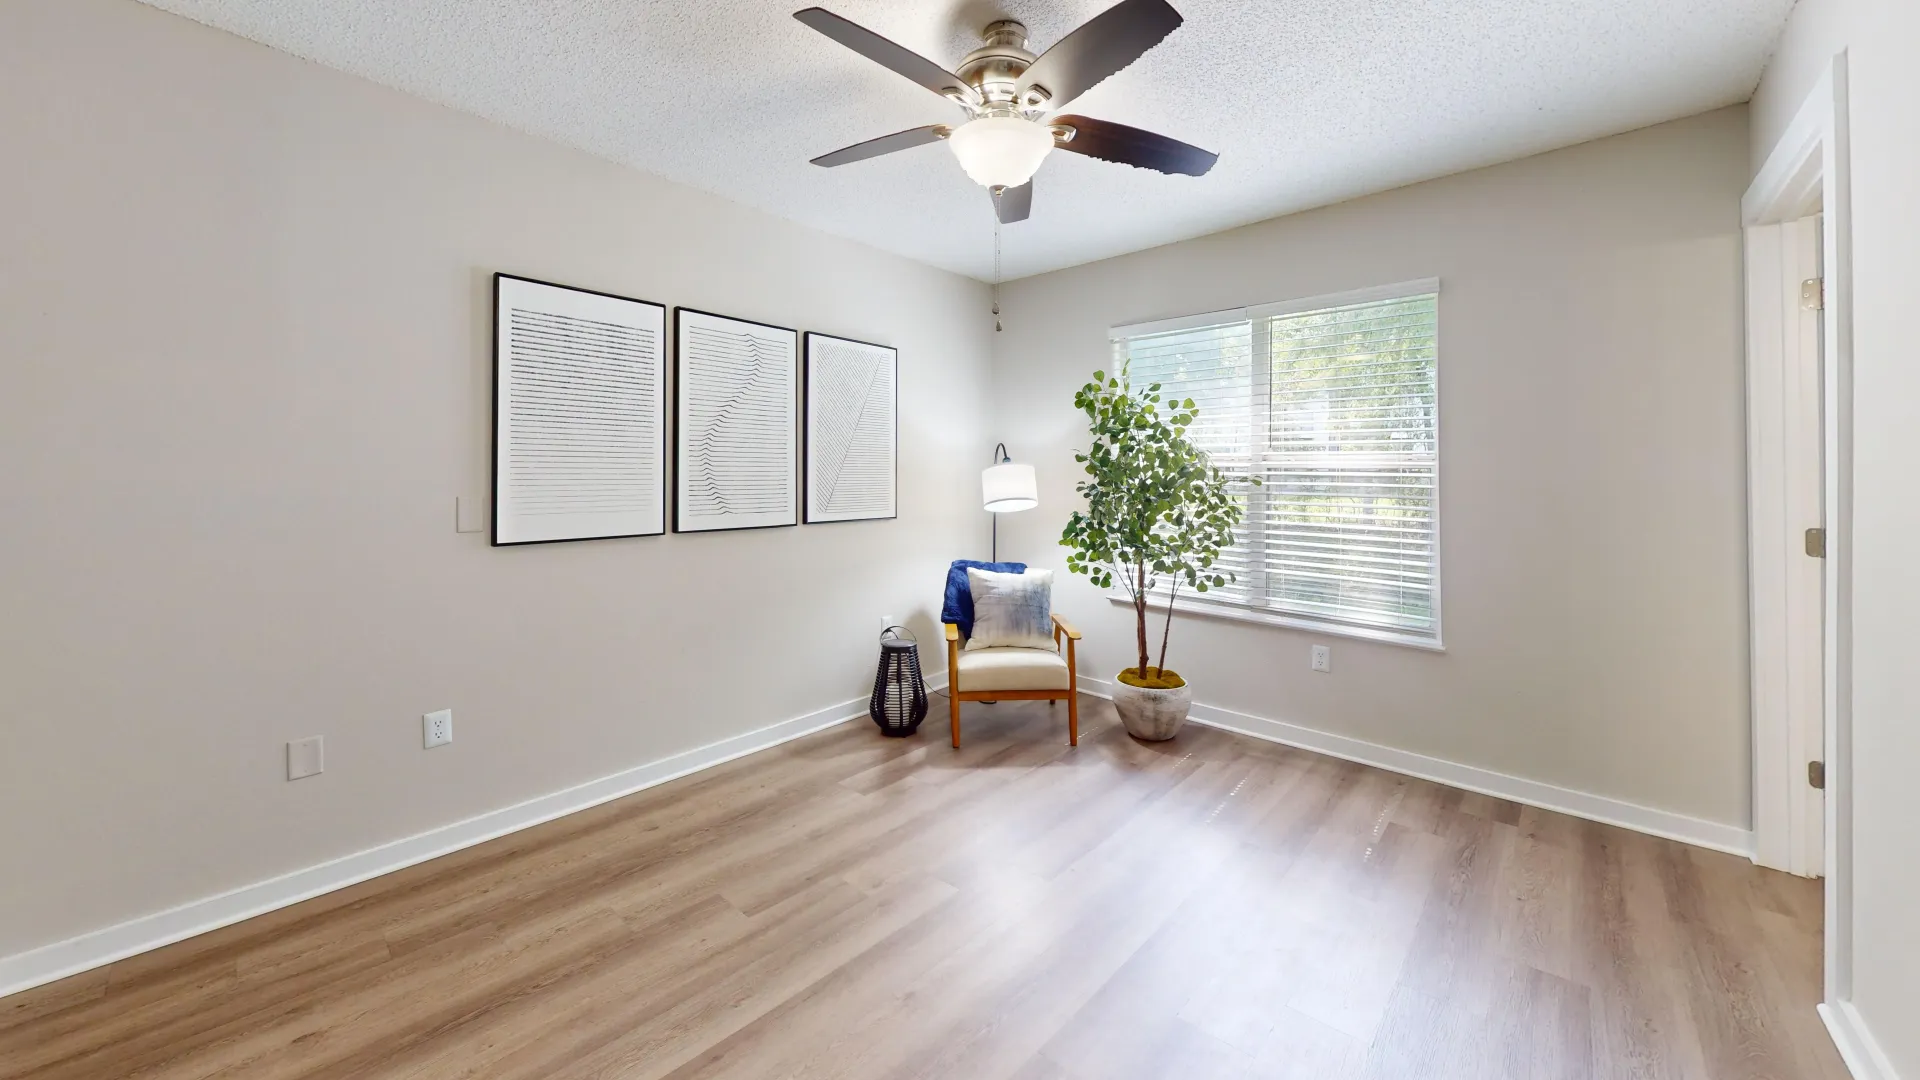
pixel 1008 94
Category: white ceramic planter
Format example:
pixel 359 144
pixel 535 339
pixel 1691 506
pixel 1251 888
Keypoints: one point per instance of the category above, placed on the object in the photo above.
pixel 1153 715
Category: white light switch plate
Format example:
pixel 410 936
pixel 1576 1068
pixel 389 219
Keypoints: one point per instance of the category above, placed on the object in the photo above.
pixel 1322 658
pixel 305 757
pixel 436 728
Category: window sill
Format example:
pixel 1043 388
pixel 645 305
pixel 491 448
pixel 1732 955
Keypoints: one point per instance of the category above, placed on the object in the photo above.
pixel 1235 613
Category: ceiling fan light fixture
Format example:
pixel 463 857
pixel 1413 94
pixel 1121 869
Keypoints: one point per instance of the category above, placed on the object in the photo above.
pixel 1000 151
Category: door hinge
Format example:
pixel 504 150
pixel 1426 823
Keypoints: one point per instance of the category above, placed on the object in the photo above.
pixel 1813 294
pixel 1817 543
pixel 1817 775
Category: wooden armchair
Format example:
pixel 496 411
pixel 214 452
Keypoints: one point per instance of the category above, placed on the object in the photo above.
pixel 1015 674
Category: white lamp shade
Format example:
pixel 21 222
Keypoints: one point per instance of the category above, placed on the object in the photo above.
pixel 1009 486
pixel 1000 151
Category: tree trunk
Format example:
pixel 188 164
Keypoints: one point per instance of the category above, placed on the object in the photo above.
pixel 1172 595
pixel 1140 616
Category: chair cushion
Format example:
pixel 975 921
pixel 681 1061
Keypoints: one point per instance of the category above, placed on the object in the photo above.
pixel 1012 669
pixel 958 608
pixel 1014 610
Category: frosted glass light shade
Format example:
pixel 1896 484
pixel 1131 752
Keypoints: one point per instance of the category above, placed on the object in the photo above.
pixel 1000 151
pixel 1009 486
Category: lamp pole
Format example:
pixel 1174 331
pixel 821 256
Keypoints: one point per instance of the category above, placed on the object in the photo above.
pixel 1000 456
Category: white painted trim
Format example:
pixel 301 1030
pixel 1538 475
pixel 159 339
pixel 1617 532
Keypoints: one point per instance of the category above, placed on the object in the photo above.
pixel 1810 166
pixel 1837 259
pixel 60 959
pixel 1858 1048
pixel 1220 609
pixel 1399 290
pixel 1789 185
pixel 1396 291
pixel 1645 819
pixel 1224 317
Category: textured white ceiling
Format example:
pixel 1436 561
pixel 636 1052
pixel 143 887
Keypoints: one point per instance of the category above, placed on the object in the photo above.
pixel 1307 101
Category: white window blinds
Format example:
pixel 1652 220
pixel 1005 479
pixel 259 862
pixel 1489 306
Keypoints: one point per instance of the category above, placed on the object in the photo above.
pixel 1334 404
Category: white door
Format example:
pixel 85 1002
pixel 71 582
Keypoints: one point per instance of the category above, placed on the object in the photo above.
pixel 1786 481
pixel 1806 593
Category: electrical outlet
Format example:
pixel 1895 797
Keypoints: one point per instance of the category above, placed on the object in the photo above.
pixel 1322 658
pixel 437 728
pixel 305 757
pixel 885 621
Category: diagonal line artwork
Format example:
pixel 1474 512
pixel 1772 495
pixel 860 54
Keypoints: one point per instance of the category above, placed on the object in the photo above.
pixel 739 427
pixel 851 442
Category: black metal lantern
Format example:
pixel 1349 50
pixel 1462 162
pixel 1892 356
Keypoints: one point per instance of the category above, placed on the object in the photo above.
pixel 899 700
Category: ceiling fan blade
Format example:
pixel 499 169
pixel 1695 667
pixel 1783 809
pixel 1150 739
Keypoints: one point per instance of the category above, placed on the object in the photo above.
pixel 1101 46
pixel 885 144
pixel 1014 203
pixel 1131 146
pixel 888 55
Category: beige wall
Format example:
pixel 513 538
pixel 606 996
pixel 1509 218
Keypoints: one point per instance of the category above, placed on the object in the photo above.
pixel 1882 42
pixel 1592 514
pixel 244 371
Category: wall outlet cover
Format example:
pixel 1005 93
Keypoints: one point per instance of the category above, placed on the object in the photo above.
pixel 306 757
pixel 437 728
pixel 1322 658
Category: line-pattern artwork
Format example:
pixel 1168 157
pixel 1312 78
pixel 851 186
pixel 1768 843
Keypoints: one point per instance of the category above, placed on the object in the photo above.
pixel 736 422
pixel 579 414
pixel 851 430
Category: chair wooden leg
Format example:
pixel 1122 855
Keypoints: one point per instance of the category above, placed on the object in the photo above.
pixel 1073 695
pixel 953 699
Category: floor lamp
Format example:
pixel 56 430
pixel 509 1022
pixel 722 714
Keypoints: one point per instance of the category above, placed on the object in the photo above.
pixel 1006 487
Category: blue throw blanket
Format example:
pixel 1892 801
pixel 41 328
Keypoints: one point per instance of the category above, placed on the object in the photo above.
pixel 958 608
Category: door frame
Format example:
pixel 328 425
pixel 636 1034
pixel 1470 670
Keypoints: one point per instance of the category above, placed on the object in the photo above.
pixel 1806 172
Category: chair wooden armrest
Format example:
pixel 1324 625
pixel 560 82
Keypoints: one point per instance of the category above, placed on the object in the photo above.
pixel 1065 627
pixel 953 631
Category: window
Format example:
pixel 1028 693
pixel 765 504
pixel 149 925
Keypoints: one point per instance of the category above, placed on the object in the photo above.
pixel 1333 403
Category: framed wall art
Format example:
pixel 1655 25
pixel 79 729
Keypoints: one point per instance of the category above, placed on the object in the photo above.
pixel 736 423
pixel 579 414
pixel 851 430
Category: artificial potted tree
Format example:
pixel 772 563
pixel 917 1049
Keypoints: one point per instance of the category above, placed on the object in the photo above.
pixel 1158 511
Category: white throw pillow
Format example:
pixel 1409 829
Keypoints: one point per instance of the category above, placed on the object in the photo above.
pixel 1011 609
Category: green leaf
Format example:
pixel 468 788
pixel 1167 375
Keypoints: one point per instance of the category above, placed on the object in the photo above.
pixel 1155 504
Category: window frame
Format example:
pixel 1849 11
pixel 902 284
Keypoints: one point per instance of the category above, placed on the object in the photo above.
pixel 1233 610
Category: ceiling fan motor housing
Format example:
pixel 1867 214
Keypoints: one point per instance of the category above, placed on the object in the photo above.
pixel 994 69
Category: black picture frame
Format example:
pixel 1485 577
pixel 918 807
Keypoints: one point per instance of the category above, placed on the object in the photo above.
pixel 496 447
pixel 681 391
pixel 806 428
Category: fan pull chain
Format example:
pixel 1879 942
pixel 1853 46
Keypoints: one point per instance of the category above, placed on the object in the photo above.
pixel 996 268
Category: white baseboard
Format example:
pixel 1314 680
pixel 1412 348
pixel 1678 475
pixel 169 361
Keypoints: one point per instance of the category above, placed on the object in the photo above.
pixel 1663 823
pixel 47 963
pixel 1857 1046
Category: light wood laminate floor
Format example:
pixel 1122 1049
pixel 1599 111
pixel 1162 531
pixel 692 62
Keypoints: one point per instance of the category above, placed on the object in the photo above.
pixel 852 906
